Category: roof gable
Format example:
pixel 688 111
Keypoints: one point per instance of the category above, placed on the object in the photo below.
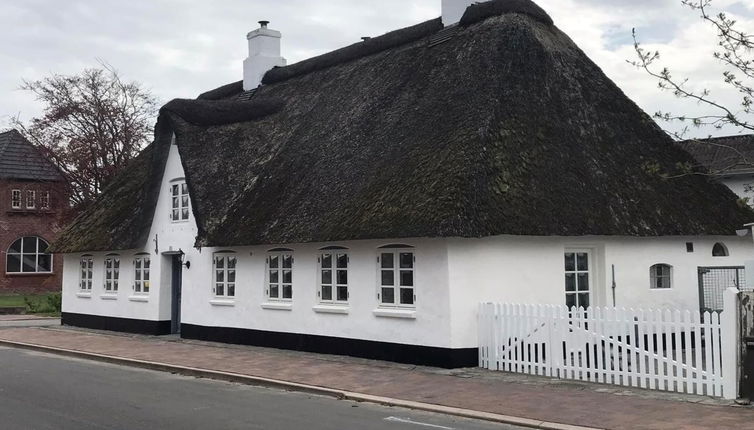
pixel 505 128
pixel 20 160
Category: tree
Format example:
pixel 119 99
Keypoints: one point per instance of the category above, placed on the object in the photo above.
pixel 734 52
pixel 93 123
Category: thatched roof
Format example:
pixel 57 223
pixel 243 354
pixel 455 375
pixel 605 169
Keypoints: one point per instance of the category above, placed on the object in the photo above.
pixel 724 156
pixel 20 160
pixel 505 128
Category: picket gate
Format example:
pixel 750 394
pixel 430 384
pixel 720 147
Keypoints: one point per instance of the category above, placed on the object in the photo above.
pixel 659 349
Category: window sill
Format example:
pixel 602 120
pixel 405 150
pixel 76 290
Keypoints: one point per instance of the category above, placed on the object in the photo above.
pixel 109 296
pixel 84 295
pixel 395 313
pixel 278 306
pixel 222 302
pixel 28 274
pixel 142 299
pixel 331 309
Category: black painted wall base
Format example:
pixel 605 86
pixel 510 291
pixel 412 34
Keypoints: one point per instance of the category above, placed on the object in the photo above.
pixel 126 325
pixel 410 354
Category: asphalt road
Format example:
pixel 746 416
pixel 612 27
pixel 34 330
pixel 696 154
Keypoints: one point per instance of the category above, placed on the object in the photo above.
pixel 43 391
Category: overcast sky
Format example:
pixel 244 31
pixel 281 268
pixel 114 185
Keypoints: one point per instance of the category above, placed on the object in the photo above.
pixel 180 48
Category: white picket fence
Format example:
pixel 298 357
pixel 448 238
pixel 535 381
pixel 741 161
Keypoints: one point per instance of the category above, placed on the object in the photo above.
pixel 658 349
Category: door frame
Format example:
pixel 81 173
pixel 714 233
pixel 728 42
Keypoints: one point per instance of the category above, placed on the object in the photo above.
pixel 176 290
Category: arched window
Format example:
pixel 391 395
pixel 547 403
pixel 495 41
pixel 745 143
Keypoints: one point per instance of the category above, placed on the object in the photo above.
pixel 28 255
pixel 225 274
pixel 396 281
pixel 141 273
pixel 333 274
pixel 660 276
pixel 720 250
pixel 280 274
pixel 112 272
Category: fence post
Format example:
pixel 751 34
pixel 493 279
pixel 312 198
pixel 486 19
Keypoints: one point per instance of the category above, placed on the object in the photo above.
pixel 730 338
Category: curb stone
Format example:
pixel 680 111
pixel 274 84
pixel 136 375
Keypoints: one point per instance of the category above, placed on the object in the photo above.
pixel 294 386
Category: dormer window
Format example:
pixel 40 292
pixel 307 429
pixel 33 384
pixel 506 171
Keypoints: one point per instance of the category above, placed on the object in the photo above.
pixel 179 201
pixel 15 199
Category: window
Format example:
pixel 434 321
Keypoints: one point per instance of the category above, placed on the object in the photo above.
pixel 180 202
pixel 577 279
pixel 15 199
pixel 396 277
pixel 31 196
pixel 27 255
pixel 86 265
pixel 44 200
pixel 225 275
pixel 141 274
pixel 112 273
pixel 660 276
pixel 720 250
pixel 280 275
pixel 333 270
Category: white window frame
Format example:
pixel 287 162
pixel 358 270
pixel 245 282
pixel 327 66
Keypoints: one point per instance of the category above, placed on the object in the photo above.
pixel 278 286
pixel 111 273
pixel 180 203
pixel 142 274
pixel 576 272
pixel 31 199
pixel 44 200
pixel 15 199
pixel 86 273
pixel 335 285
pixel 654 277
pixel 23 253
pixel 396 270
pixel 223 287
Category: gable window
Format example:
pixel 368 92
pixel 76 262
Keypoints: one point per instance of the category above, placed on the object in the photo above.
pixel 333 276
pixel 86 266
pixel 141 274
pixel 396 268
pixel 31 196
pixel 112 273
pixel 27 255
pixel 720 250
pixel 44 200
pixel 280 274
pixel 179 201
pixel 15 199
pixel 225 275
pixel 660 276
pixel 577 279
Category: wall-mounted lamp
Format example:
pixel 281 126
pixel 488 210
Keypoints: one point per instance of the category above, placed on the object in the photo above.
pixel 185 263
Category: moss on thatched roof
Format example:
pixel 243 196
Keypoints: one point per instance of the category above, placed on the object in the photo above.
pixel 505 128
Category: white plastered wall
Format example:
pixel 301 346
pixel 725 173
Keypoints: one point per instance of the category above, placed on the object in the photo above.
pixel 515 269
pixel 165 237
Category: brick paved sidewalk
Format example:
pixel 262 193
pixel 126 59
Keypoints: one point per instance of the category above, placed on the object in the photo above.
pixel 476 389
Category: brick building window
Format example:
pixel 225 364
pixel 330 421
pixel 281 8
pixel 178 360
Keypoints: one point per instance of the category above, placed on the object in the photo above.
pixel 44 200
pixel 27 255
pixel 15 199
pixel 31 197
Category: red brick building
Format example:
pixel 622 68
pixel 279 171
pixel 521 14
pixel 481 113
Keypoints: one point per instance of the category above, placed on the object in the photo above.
pixel 32 203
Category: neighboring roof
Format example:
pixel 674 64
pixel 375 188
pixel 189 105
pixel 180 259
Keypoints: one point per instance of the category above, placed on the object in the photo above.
pixel 19 159
pixel 723 156
pixel 505 128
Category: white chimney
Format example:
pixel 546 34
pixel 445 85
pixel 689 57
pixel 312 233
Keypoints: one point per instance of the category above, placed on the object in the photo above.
pixel 452 10
pixel 264 54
